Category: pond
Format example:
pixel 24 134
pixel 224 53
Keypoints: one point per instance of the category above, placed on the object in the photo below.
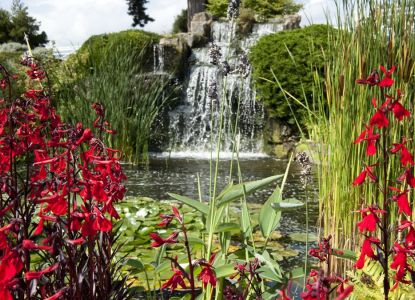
pixel 178 173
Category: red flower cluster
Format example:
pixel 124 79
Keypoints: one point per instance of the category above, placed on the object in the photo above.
pixel 58 186
pixel 207 274
pixel 374 219
pixel 319 286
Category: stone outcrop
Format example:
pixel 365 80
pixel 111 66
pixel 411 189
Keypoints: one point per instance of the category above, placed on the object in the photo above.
pixel 279 138
pixel 175 53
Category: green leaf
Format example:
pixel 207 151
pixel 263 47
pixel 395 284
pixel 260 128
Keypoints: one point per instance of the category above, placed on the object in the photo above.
pixel 246 226
pixel 225 270
pixel 193 240
pixel 269 219
pixel 227 227
pixel 297 273
pixel 287 204
pixel 135 264
pixel 237 191
pixel 268 273
pixel 302 237
pixel 202 207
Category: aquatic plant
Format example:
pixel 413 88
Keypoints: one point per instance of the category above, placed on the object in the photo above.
pixel 59 184
pixel 380 242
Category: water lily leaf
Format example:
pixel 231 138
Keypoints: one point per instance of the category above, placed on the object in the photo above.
pixel 237 191
pixel 296 273
pixel 202 207
pixel 287 204
pixel 302 237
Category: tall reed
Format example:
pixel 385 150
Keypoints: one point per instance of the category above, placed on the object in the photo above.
pixel 119 77
pixel 370 33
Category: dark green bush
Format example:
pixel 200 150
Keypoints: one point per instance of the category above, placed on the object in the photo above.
pixel 295 57
pixel 264 9
pixel 180 22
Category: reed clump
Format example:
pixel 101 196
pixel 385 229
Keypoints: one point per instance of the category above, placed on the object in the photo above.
pixel 371 33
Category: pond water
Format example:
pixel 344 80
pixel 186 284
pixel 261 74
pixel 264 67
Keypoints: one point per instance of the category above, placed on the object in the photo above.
pixel 178 174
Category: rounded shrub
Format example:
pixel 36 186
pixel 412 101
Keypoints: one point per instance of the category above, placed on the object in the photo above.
pixel 294 57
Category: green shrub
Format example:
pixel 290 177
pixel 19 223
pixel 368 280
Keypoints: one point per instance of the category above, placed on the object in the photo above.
pixel 264 9
pixel 295 57
pixel 180 22
pixel 137 41
pixel 218 8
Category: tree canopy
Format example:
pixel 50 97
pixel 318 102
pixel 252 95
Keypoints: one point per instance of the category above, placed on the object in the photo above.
pixel 137 9
pixel 15 24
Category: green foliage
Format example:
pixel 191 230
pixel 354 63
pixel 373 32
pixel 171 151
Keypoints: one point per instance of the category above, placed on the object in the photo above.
pixel 218 8
pixel 14 25
pixel 114 70
pixel 272 8
pixel 180 22
pixel 264 9
pixel 295 57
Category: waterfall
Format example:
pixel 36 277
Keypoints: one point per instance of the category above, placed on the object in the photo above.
pixel 158 59
pixel 194 124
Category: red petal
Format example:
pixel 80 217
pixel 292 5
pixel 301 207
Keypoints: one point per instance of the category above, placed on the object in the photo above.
pixel 360 178
pixel 368 223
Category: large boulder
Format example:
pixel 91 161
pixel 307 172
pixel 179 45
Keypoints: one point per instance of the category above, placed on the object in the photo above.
pixel 175 53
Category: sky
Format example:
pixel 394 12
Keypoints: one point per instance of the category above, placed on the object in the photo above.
pixel 70 22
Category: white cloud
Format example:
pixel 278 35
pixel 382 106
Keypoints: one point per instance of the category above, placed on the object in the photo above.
pixel 71 22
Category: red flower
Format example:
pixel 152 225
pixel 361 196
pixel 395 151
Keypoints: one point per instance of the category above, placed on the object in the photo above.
pixel 403 203
pixel 408 177
pixel 379 119
pixel 37 274
pixel 367 135
pixel 166 220
pixel 159 241
pixel 400 264
pixel 367 171
pixel 175 280
pixel 366 251
pixel 406 156
pixel 370 219
pixel 30 245
pixel 345 292
pixel 398 109
pixel 372 80
pixel 207 276
pixel 387 81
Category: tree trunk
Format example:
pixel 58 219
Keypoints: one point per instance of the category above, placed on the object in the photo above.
pixel 194 7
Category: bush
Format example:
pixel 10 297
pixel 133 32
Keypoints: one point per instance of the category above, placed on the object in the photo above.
pixel 264 9
pixel 13 47
pixel 180 22
pixel 295 57
pixel 136 40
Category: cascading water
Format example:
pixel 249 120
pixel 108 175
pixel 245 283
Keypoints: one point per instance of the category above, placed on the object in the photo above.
pixel 194 124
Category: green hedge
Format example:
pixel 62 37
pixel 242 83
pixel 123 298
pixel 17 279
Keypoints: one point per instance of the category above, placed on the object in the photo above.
pixel 264 9
pixel 295 56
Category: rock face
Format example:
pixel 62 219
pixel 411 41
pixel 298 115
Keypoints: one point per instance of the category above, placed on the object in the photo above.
pixel 279 138
pixel 194 7
pixel 172 53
